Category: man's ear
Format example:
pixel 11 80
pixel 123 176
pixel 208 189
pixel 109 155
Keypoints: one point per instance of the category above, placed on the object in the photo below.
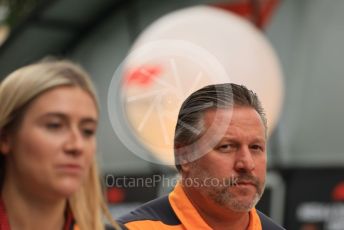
pixel 186 166
pixel 5 146
pixel 181 155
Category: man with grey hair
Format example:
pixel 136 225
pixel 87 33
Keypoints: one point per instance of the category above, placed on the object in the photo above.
pixel 220 153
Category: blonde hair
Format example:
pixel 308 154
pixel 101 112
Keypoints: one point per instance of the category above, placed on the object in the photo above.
pixel 17 92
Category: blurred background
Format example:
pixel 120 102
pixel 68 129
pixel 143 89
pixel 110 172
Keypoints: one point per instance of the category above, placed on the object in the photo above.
pixel 305 188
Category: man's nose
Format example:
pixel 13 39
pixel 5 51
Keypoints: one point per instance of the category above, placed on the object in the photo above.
pixel 244 160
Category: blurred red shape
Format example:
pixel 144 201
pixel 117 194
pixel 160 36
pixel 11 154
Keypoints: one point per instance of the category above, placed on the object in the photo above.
pixel 143 75
pixel 115 195
pixel 338 192
pixel 257 11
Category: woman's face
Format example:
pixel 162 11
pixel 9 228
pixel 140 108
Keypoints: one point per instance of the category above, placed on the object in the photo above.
pixel 51 152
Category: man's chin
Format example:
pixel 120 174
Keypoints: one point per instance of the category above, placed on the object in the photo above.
pixel 240 207
pixel 242 203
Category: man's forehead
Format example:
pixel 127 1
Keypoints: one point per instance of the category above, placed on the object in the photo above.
pixel 232 115
pixel 214 113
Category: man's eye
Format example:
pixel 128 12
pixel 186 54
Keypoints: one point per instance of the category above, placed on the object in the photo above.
pixel 257 147
pixel 225 148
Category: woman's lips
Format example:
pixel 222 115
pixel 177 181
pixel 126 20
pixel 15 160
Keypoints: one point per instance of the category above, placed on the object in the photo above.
pixel 70 168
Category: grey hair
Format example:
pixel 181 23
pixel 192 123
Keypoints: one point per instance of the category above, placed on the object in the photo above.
pixel 190 126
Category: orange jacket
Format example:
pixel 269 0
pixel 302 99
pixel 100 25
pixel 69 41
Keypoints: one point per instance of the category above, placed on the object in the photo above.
pixel 176 212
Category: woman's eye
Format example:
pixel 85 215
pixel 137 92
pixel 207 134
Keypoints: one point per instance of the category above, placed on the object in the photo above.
pixel 53 126
pixel 88 132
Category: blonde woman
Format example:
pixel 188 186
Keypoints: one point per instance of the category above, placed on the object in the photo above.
pixel 48 173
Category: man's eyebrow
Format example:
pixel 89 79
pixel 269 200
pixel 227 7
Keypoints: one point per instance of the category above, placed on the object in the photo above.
pixel 229 138
pixel 258 139
pixel 234 138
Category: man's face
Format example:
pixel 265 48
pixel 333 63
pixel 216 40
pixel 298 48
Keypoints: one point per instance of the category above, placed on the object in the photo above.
pixel 232 174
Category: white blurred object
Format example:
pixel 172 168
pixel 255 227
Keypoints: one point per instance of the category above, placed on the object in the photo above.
pixel 3 12
pixel 4 32
pixel 243 51
pixel 159 76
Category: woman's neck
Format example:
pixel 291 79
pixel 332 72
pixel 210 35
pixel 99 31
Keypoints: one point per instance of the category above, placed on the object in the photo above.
pixel 30 211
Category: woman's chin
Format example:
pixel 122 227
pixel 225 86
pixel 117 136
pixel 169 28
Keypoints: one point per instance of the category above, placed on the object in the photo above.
pixel 68 188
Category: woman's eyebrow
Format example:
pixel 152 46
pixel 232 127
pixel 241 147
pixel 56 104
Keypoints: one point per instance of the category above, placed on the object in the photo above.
pixel 86 119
